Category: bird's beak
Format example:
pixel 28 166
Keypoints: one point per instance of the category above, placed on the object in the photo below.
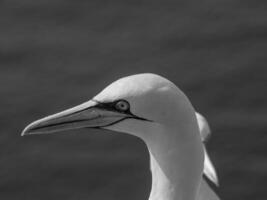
pixel 86 115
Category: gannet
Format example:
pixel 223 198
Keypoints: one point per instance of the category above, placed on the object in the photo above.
pixel 154 109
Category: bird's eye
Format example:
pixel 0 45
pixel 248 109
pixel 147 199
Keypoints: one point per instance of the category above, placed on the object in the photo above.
pixel 122 105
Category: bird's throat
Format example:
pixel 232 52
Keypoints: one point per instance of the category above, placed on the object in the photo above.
pixel 176 173
pixel 162 187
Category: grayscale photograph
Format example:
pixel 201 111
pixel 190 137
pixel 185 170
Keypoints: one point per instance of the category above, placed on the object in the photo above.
pixel 133 100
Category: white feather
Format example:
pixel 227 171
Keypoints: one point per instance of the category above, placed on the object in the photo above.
pixel 209 169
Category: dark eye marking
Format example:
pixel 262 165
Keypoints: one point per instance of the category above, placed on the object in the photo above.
pixel 120 105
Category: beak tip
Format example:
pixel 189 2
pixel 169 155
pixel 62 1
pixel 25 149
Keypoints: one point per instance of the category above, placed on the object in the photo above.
pixel 25 132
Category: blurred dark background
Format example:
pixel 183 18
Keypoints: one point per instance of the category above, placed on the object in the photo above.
pixel 55 54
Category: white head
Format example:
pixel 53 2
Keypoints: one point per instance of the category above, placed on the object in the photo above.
pixel 147 106
pixel 132 104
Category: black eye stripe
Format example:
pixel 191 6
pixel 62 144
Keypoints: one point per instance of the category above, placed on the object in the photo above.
pixel 111 106
pixel 114 106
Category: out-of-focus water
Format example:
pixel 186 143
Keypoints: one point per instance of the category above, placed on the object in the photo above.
pixel 56 54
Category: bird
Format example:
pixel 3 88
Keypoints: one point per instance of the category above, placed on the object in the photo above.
pixel 154 109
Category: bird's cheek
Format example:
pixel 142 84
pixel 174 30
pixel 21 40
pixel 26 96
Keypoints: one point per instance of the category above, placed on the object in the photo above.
pixel 129 126
pixel 135 127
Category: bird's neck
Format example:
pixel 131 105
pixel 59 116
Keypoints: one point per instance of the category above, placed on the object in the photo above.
pixel 176 168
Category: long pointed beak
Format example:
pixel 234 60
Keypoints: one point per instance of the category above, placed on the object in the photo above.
pixel 86 115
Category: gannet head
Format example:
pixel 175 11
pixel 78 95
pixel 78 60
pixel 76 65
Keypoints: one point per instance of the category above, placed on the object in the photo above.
pixel 154 109
pixel 135 104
